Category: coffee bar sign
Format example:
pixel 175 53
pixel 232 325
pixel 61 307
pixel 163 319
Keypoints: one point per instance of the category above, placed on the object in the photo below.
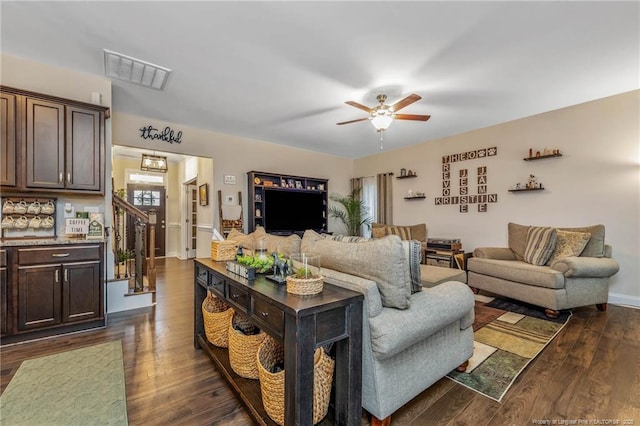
pixel 166 135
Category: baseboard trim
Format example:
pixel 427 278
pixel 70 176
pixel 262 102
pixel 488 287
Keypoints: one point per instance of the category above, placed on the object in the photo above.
pixel 623 299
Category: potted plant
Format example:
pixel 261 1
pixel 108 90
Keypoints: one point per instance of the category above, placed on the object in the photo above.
pixel 305 278
pixel 352 212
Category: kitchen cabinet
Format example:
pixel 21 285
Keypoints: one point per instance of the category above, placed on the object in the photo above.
pixel 7 139
pixel 62 142
pixel 55 289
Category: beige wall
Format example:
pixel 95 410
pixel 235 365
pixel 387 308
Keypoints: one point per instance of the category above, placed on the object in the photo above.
pixel 234 156
pixel 597 180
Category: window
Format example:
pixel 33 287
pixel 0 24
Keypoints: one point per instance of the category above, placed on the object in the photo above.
pixel 146 198
pixel 369 199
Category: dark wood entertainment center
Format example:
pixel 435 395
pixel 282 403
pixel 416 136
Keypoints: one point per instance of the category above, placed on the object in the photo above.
pixel 259 182
pixel 301 323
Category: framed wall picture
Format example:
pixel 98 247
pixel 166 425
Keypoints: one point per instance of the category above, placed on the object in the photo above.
pixel 204 194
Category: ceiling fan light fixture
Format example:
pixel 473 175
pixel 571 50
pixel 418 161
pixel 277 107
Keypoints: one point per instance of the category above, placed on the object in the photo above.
pixel 381 121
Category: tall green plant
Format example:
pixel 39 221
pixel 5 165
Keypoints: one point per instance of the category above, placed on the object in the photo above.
pixel 351 211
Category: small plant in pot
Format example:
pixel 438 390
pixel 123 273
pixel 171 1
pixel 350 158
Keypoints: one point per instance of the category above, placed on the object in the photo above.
pixel 306 278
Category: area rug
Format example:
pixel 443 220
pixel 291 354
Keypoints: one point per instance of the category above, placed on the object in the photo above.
pixel 508 335
pixel 79 387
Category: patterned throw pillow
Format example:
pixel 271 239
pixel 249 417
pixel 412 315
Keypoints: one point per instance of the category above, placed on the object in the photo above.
pixel 569 244
pixel 540 244
pixel 404 232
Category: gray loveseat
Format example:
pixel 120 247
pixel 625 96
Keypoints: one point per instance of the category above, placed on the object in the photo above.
pixel 565 281
pixel 406 348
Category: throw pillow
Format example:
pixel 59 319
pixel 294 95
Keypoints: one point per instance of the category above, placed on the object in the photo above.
pixel 569 244
pixel 413 251
pixel 404 232
pixel 244 240
pixel 540 244
pixel 380 260
pixel 595 247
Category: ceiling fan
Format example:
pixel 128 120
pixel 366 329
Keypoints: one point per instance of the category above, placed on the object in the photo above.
pixel 381 116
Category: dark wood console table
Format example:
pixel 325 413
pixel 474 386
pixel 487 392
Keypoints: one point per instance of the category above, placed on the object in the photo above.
pixel 301 323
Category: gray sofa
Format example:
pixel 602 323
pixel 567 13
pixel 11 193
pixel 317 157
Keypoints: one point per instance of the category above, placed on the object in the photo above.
pixel 406 348
pixel 564 282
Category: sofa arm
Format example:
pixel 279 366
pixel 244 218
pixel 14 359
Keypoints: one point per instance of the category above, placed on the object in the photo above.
pixel 497 253
pixel 593 267
pixel 431 310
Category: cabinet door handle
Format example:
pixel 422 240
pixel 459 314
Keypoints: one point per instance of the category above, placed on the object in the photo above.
pixel 60 254
pixel 235 296
pixel 60 178
pixel 66 275
pixel 57 276
pixel 264 314
pixel 68 177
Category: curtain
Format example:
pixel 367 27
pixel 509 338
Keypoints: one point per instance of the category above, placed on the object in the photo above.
pixel 384 198
pixel 368 195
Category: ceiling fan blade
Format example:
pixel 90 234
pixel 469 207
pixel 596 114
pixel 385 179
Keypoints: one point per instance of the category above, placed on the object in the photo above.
pixel 353 121
pixel 359 106
pixel 412 117
pixel 404 102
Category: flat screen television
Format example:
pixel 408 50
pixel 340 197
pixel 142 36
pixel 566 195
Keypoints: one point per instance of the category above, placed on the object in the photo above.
pixel 290 211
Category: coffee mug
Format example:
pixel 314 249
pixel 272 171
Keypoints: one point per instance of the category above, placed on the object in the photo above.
pixel 8 207
pixel 48 208
pixel 20 207
pixel 34 208
pixel 34 223
pixel 47 223
pixel 7 222
pixel 21 223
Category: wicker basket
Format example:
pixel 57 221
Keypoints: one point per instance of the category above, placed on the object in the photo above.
pixel 216 316
pixel 243 349
pixel 223 250
pixel 305 286
pixel 272 384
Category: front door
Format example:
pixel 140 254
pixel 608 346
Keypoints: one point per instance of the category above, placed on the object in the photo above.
pixel 145 198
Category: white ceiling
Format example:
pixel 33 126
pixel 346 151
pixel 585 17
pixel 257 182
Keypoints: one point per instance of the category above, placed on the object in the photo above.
pixel 281 71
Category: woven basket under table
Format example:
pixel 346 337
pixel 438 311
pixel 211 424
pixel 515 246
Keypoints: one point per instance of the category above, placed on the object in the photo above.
pixel 272 384
pixel 243 349
pixel 216 316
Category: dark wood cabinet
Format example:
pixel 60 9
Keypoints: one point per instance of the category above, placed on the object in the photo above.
pixel 7 139
pixel 3 292
pixel 44 144
pixel 312 200
pixel 55 289
pixel 39 296
pixel 84 149
pixel 58 143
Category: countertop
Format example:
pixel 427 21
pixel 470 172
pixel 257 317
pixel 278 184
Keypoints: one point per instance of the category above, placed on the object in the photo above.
pixel 26 242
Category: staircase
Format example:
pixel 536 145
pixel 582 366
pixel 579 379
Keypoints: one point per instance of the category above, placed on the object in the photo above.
pixel 134 282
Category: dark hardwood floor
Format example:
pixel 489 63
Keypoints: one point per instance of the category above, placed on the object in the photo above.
pixel 591 371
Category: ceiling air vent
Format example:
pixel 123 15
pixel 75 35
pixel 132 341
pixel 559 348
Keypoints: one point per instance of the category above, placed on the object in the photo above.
pixel 134 70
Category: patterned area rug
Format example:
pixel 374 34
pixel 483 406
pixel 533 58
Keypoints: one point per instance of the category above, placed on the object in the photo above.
pixel 80 387
pixel 508 335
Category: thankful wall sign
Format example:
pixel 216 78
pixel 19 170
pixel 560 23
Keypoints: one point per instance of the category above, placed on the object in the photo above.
pixel 471 183
pixel 166 135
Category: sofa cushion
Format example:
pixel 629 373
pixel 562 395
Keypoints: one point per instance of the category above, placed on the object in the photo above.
pixel 412 249
pixel 518 271
pixel 595 247
pixel 540 244
pixel 568 244
pixel 381 260
pixel 287 245
pixel 518 239
pixel 245 240
pixel 404 232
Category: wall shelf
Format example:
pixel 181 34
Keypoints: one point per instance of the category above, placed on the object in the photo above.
pixel 525 189
pixel 407 176
pixel 416 198
pixel 542 157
